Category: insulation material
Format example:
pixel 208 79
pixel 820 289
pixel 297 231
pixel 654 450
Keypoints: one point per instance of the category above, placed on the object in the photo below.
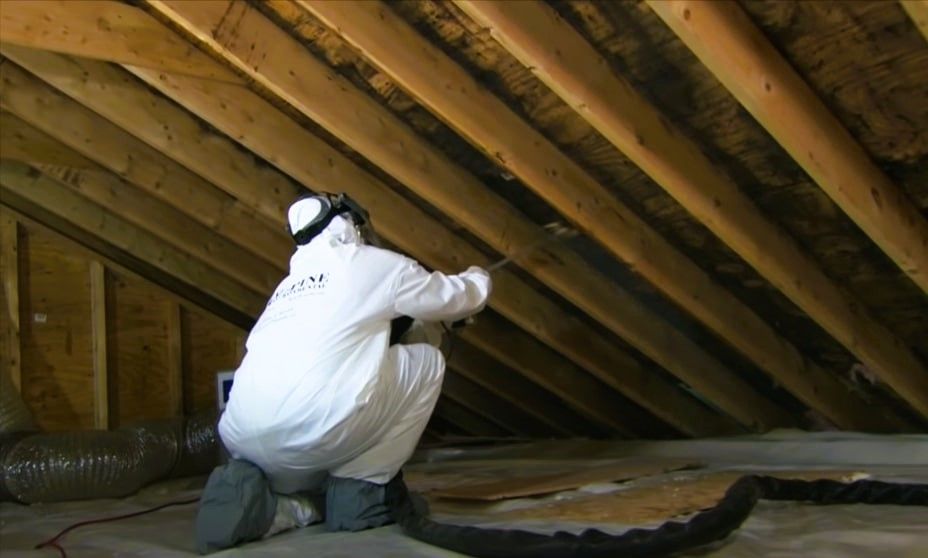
pixel 515 485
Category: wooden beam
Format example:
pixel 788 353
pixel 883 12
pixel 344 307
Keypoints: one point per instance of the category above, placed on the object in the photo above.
pixel 110 146
pixel 9 275
pixel 510 385
pixel 477 114
pixel 629 121
pixel 374 29
pixel 679 403
pixel 163 221
pixel 918 11
pixel 484 403
pixel 723 37
pixel 175 371
pixel 98 318
pixel 469 421
pixel 105 30
pixel 24 182
pixel 300 84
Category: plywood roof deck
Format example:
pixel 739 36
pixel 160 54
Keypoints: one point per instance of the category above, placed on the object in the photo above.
pixel 464 133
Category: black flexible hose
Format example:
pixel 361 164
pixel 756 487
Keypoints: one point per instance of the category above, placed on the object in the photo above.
pixel 705 527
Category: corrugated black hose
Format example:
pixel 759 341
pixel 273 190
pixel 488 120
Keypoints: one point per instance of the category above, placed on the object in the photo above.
pixel 708 526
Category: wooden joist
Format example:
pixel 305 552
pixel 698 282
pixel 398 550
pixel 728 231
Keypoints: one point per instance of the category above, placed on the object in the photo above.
pixel 491 407
pixel 673 401
pixel 9 276
pixel 58 25
pixel 117 98
pixel 473 111
pixel 467 420
pixel 512 386
pixel 291 72
pixel 725 40
pixel 98 319
pixel 93 84
pixel 220 157
pixel 374 30
pixel 250 113
pixel 139 208
pixel 918 11
pixel 536 35
pixel 21 182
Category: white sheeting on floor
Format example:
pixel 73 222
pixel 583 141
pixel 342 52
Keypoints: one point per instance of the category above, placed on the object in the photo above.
pixel 775 529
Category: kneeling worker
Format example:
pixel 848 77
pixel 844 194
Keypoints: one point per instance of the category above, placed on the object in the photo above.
pixel 323 409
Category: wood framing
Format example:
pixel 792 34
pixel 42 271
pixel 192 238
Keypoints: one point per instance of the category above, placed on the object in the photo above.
pixel 478 115
pixel 512 386
pixel 95 84
pixel 536 35
pixel 29 184
pixel 486 404
pixel 175 371
pixel 469 421
pixel 725 40
pixel 310 89
pixel 918 11
pixel 98 318
pixel 9 275
pixel 86 29
pixel 116 109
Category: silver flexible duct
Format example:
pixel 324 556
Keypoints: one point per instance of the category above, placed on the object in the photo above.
pixel 58 466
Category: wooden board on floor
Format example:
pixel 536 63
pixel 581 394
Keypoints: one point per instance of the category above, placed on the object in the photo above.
pixel 653 502
pixel 547 483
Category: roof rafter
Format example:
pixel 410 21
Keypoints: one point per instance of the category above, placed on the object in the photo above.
pixel 451 92
pixel 918 11
pixel 518 302
pixel 22 182
pixel 536 35
pixel 110 90
pixel 370 27
pixel 293 74
pixel 727 42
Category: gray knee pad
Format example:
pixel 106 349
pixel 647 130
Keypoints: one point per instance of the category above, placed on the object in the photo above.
pixel 237 506
pixel 355 505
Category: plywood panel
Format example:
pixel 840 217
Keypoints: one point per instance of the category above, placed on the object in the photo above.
pixel 57 366
pixel 138 350
pixel 208 345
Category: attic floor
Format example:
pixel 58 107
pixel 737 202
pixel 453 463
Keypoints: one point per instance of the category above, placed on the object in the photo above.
pixel 773 530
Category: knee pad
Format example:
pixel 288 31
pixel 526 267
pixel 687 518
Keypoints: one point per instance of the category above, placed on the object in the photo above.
pixel 237 506
pixel 355 505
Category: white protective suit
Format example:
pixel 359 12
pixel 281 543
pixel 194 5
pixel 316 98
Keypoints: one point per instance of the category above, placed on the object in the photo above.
pixel 319 390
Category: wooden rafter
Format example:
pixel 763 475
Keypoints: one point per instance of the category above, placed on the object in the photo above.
pixel 511 386
pixel 130 158
pixel 678 402
pixel 293 76
pixel 490 406
pixel 723 37
pixel 469 421
pixel 53 113
pixel 22 182
pixel 918 11
pixel 536 35
pixel 374 29
pixel 474 112
pixel 116 99
pixel 64 29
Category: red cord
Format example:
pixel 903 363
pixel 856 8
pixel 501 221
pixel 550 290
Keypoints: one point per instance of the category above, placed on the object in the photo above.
pixel 53 542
